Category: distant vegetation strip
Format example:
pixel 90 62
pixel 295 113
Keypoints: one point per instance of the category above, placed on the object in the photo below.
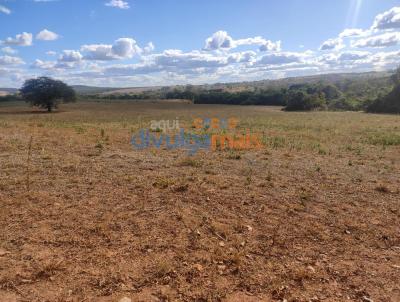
pixel 367 93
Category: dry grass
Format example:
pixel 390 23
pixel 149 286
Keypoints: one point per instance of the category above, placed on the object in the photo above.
pixel 313 216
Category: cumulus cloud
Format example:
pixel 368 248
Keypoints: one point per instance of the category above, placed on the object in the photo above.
pixel 24 39
pixel 383 40
pixel 43 64
pixel 281 58
pixel 4 10
pixel 221 40
pixel 100 52
pixel 353 55
pixel 265 45
pixel 388 20
pixel 9 60
pixel 178 60
pixel 332 44
pixel 118 4
pixel 270 46
pixel 242 57
pixel 47 35
pixel 148 48
pixel 70 56
pixel 123 48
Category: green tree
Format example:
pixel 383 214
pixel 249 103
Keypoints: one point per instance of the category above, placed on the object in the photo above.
pixel 389 103
pixel 300 101
pixel 331 92
pixel 47 93
pixel 396 77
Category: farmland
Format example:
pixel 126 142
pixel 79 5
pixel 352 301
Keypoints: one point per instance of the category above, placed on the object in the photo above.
pixel 312 216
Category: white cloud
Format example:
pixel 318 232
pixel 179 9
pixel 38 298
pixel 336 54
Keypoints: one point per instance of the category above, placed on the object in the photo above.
pixel 351 32
pixel 271 46
pixel 123 48
pixel 383 40
pixel 4 10
pixel 353 55
pixel 148 48
pixel 388 20
pixel 221 40
pixel 51 53
pixel 47 35
pixel 242 57
pixel 281 58
pixel 177 60
pixel 43 64
pixel 118 4
pixel 332 44
pixel 9 50
pixel 265 45
pixel 24 39
pixel 8 60
pixel 70 56
pixel 100 52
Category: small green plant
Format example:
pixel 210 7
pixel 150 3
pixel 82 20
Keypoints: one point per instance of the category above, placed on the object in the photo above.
pixel 162 183
pixel 190 162
pixel 384 139
pixel 99 145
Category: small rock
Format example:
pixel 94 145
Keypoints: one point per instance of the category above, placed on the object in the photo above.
pixel 347 232
pixel 366 299
pixel 3 252
pixel 222 244
pixel 221 267
pixel 249 228
pixel 311 269
pixel 125 299
pixel 198 267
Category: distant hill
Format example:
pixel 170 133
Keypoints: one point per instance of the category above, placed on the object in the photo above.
pixel 337 78
pixel 131 90
pixel 7 91
pixel 314 79
pixel 83 89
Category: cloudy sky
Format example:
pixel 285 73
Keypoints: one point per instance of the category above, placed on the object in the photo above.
pixel 161 42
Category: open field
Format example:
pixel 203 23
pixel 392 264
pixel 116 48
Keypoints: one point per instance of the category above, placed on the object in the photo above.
pixel 313 216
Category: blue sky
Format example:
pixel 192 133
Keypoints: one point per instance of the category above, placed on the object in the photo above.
pixel 150 42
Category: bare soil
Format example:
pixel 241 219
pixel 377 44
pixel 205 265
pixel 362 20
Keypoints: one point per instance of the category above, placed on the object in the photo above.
pixel 313 216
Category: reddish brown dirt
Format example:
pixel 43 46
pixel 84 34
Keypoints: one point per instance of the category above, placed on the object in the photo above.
pixel 101 221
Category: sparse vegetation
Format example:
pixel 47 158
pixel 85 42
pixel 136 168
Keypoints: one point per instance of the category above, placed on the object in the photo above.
pixel 103 219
